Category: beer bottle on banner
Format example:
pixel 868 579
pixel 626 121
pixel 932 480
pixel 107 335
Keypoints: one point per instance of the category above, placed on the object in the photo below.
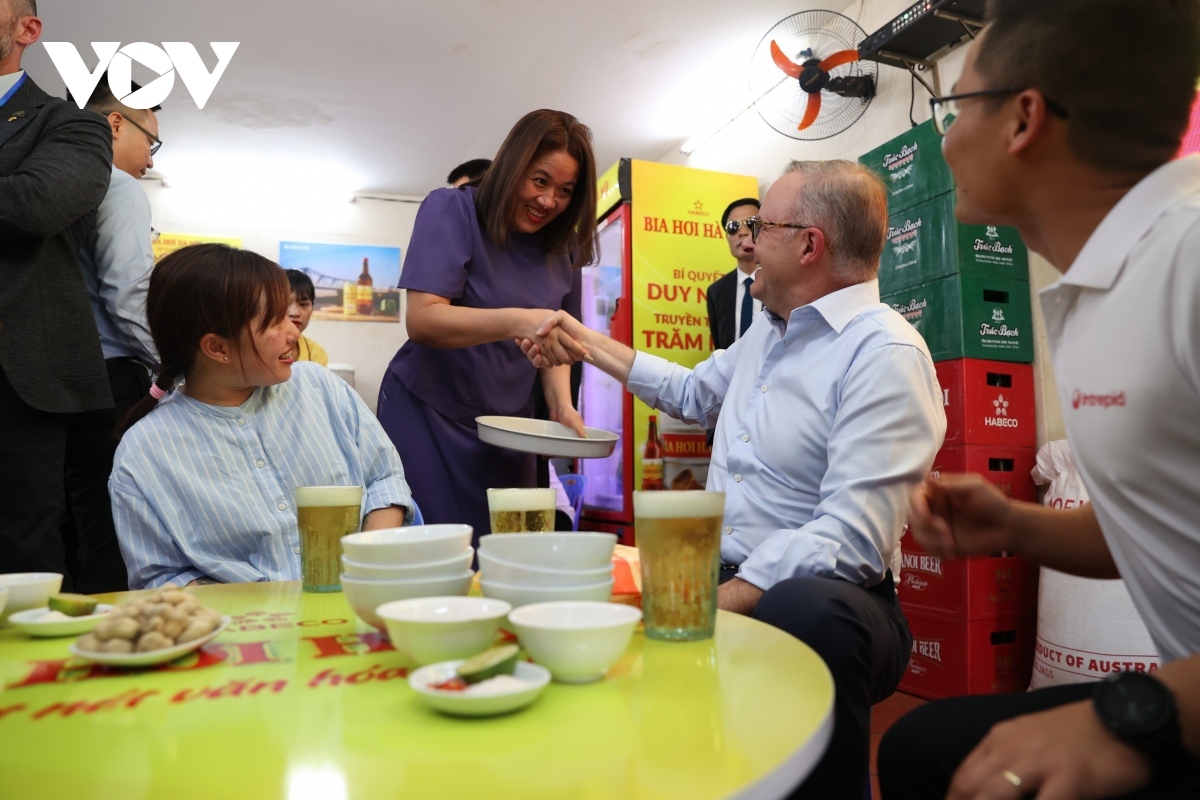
pixel 349 299
pixel 365 300
pixel 652 458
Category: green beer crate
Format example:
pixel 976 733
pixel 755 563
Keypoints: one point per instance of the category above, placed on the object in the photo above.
pixel 965 316
pixel 912 167
pixel 925 243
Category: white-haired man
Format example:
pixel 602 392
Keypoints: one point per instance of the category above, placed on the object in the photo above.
pixel 827 413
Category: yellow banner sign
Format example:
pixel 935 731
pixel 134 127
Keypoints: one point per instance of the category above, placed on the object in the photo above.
pixel 170 242
pixel 679 250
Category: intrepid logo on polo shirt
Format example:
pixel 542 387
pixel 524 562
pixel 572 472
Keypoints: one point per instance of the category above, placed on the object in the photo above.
pixel 1109 400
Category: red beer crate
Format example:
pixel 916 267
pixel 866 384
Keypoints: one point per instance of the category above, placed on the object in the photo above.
pixel 988 402
pixel 957 657
pixel 983 587
pixel 1007 467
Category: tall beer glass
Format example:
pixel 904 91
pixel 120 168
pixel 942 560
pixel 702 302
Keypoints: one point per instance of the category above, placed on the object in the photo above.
pixel 679 544
pixel 522 510
pixel 325 514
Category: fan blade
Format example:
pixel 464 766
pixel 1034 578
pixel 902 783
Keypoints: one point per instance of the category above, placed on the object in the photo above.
pixel 785 63
pixel 838 59
pixel 810 113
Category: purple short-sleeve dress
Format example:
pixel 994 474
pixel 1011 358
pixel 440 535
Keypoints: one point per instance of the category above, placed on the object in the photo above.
pixel 429 397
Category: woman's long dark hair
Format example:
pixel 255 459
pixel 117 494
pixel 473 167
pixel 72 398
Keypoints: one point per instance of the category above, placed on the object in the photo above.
pixel 538 134
pixel 202 289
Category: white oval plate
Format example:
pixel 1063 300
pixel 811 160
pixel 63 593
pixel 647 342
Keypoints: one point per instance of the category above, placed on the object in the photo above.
pixel 464 705
pixel 30 621
pixel 153 656
pixel 545 438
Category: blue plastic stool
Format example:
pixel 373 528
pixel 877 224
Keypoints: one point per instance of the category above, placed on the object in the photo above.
pixel 574 485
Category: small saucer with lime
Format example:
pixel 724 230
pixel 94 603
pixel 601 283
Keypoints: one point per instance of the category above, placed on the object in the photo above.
pixel 66 615
pixel 491 682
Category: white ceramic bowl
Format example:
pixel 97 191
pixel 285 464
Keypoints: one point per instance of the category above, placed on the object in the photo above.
pixel 577 642
pixel 3 599
pixel 544 437
pixel 411 545
pixel 422 569
pixel 551 550
pixel 468 704
pixel 365 595
pixel 501 571
pixel 429 629
pixel 28 590
pixel 524 595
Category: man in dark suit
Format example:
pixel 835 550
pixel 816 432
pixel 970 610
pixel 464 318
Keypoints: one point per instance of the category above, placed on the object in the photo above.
pixel 731 309
pixel 55 163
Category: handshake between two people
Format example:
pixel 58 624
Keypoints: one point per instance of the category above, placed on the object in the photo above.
pixel 562 340
pixel 557 342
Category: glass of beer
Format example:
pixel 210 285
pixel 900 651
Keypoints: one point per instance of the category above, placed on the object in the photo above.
pixel 679 543
pixel 325 514
pixel 522 510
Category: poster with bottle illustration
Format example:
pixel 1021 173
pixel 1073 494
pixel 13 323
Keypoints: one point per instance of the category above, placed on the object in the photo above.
pixel 353 282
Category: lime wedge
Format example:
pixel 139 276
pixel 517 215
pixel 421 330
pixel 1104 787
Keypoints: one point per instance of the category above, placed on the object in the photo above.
pixel 500 660
pixel 73 605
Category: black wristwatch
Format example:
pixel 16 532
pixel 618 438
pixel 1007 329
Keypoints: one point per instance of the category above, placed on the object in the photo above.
pixel 1140 710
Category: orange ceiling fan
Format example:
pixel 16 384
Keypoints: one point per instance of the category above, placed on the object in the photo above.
pixel 808 78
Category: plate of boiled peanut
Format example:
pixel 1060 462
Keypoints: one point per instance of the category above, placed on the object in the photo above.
pixel 151 629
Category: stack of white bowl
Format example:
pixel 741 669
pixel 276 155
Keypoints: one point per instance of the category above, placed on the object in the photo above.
pixel 401 563
pixel 524 568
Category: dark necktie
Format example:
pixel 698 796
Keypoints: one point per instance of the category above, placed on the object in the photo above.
pixel 747 308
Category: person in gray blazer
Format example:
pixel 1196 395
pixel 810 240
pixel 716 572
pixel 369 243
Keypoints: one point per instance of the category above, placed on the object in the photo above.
pixel 55 163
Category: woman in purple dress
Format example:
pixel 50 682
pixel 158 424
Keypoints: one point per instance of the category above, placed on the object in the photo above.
pixel 486 266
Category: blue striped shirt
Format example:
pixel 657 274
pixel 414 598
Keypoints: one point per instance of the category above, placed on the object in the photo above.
pixel 207 491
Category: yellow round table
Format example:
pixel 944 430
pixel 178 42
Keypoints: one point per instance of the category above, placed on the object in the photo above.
pixel 298 699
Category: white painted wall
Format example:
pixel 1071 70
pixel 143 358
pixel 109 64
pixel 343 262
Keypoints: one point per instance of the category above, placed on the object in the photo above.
pixel 748 146
pixel 262 221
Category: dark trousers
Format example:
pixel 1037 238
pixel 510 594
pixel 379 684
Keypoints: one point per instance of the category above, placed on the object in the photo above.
pixel 864 640
pixel 33 448
pixel 41 455
pixel 920 753
pixel 89 536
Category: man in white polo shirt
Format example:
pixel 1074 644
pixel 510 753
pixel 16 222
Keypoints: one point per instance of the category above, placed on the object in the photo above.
pixel 1049 138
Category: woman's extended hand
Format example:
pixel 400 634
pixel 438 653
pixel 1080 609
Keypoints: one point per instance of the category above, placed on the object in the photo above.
pixel 527 322
pixel 567 415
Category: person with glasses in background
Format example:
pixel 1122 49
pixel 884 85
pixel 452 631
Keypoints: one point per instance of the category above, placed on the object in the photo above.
pixel 827 413
pixel 116 259
pixel 1045 132
pixel 731 308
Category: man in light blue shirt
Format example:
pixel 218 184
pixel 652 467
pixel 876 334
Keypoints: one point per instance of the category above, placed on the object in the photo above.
pixel 116 260
pixel 827 414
